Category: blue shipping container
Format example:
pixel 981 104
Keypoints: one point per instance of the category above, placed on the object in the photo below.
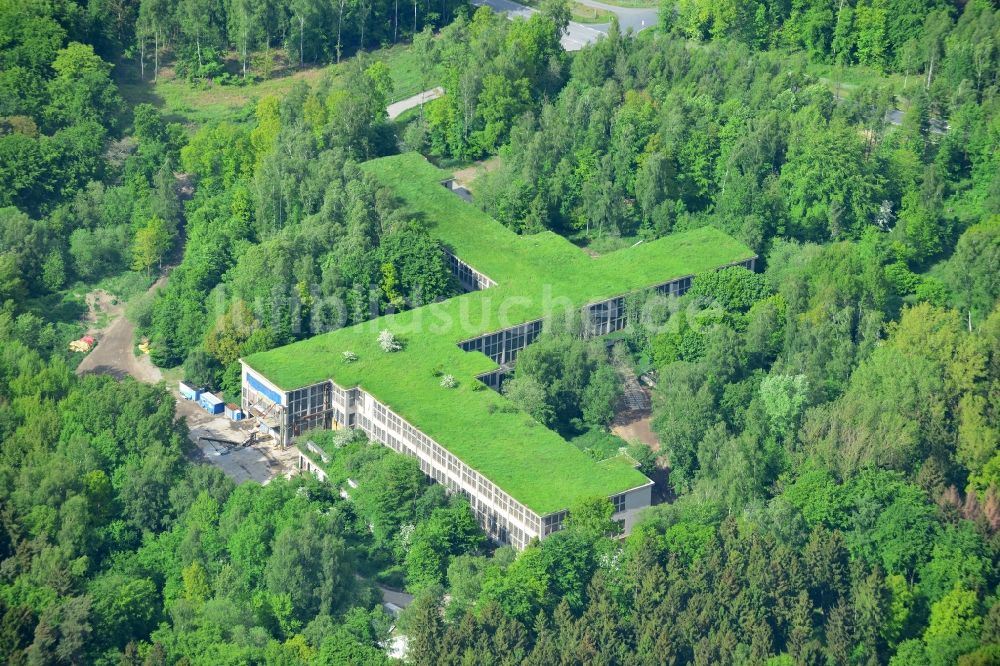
pixel 211 404
pixel 188 392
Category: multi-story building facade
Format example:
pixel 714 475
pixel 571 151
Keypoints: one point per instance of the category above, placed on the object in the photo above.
pixel 502 517
pixel 519 477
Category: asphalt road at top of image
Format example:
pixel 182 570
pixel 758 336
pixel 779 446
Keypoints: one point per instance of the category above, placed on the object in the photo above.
pixel 579 35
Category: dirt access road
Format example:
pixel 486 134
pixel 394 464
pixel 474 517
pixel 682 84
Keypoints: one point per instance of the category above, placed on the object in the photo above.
pixel 114 354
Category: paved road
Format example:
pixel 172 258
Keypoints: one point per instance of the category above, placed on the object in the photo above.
pixel 637 18
pixel 934 125
pixel 396 109
pixel 578 35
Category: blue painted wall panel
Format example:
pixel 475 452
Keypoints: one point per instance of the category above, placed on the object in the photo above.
pixel 260 387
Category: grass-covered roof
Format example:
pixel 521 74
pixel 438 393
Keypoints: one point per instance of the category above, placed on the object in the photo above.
pixel 537 276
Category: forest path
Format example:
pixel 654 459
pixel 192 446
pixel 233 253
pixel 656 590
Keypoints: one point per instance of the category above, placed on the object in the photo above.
pixel 398 108
pixel 115 354
pixel 634 417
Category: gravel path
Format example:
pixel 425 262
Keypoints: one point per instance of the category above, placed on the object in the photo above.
pixel 396 109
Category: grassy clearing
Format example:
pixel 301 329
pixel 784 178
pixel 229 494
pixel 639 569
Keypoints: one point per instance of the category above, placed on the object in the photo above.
pixel 126 286
pixel 845 80
pixel 601 245
pixel 207 101
pixel 408 77
pixel 586 14
pixel 171 375
pixel 580 12
pixel 63 307
pixel 539 276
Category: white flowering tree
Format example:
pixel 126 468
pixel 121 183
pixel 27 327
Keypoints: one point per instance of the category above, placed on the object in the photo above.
pixel 406 534
pixel 388 342
pixel 343 437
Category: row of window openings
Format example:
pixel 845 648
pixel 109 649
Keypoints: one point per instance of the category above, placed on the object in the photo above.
pixel 606 317
pixel 468 276
pixel 311 399
pixel 444 460
pixel 447 461
pixel 438 454
pixel 496 525
pixel 486 490
pixel 500 530
pixel 503 346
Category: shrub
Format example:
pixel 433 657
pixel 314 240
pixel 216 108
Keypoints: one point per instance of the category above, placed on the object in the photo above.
pixel 388 342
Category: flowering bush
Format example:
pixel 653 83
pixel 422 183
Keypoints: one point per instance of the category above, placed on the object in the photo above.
pixel 350 357
pixel 448 381
pixel 387 341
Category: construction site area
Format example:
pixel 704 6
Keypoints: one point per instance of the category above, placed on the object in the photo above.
pixel 235 447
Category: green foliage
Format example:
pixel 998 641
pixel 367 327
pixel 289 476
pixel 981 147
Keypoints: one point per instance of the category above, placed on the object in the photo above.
pixel 902 394
pixel 591 518
pixel 959 558
pixel 292 570
pixel 447 533
pixel 734 288
pixel 495 70
pixel 357 112
pixel 218 155
pixel 82 89
pixel 813 425
pixel 387 495
pixel 151 243
pixel 783 398
pixel 969 273
pixel 418 264
pixel 200 369
pixel 685 411
pixel 560 380
pixel 953 627
pixel 682 343
pixel 599 443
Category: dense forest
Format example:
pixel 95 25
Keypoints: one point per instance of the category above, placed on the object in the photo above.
pixel 830 423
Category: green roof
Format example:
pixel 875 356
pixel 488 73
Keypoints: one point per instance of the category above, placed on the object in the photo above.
pixel 537 276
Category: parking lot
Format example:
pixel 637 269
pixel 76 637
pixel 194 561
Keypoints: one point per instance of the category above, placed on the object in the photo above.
pixel 260 462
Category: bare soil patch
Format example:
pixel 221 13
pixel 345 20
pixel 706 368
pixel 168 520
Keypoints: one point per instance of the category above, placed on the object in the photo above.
pixel 102 309
pixel 633 426
pixel 466 176
pixel 115 354
pixel 260 462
